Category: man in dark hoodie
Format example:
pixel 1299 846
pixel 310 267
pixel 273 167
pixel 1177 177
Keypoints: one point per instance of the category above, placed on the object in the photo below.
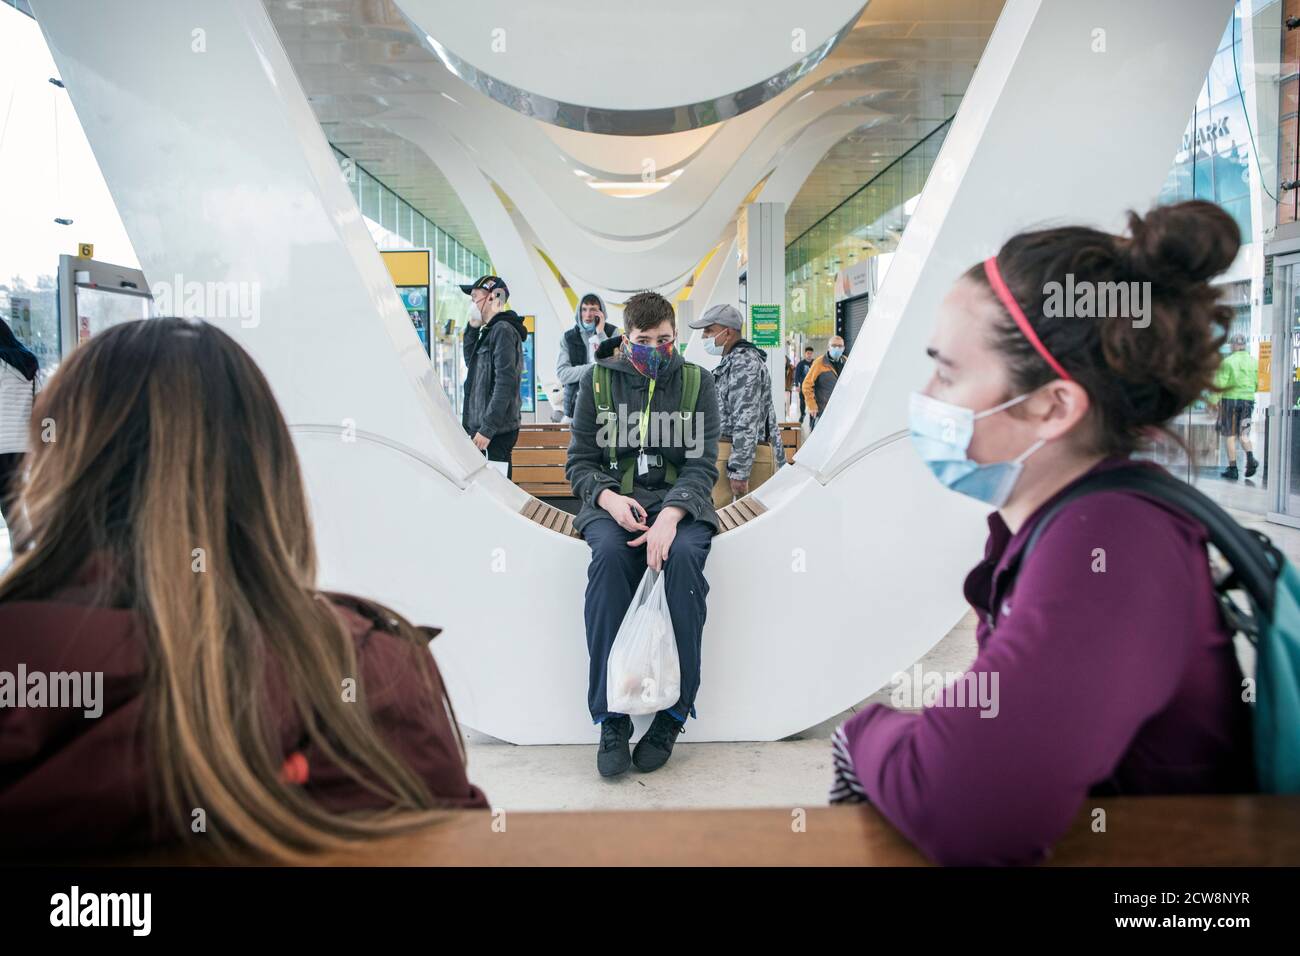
pixel 494 363
pixel 578 347
pixel 645 477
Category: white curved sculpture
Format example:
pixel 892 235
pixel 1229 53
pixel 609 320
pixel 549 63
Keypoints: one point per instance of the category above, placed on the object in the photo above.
pixel 623 68
pixel 221 174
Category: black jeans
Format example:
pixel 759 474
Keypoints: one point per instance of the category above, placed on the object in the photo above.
pixel 612 579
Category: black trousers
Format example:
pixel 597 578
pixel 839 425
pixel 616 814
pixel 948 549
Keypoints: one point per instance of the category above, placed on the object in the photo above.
pixel 499 448
pixel 612 579
pixel 11 466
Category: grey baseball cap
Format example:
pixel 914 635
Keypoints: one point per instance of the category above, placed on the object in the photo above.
pixel 726 315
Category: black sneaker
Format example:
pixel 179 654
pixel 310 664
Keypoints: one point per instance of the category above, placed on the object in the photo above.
pixel 1230 472
pixel 612 757
pixel 656 746
pixel 1252 466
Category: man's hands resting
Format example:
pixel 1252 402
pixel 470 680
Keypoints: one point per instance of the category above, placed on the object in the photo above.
pixel 657 538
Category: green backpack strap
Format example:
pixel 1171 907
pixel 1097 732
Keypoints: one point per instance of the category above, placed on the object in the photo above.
pixel 690 397
pixel 600 389
pixel 690 389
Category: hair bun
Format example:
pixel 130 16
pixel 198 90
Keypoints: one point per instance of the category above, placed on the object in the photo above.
pixel 1188 240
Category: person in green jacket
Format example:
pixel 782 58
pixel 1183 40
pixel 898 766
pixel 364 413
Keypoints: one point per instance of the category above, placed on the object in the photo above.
pixel 1236 383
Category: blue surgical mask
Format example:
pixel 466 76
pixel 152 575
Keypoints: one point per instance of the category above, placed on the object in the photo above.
pixel 588 326
pixel 712 347
pixel 941 435
pixel 836 352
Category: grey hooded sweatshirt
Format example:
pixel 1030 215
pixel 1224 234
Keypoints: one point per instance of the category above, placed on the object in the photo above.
pixel 575 351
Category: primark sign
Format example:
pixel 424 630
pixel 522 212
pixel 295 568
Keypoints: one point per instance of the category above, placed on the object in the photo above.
pixel 1205 135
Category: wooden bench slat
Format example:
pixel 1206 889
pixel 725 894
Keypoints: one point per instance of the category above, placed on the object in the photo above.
pixel 539 456
pixel 542 440
pixel 544 489
pixel 535 473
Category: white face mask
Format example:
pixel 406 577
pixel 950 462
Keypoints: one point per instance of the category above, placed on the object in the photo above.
pixel 475 313
pixel 712 347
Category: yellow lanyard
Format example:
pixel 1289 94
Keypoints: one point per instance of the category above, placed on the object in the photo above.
pixel 645 416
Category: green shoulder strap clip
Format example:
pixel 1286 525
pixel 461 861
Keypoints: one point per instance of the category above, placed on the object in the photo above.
pixel 690 396
pixel 604 406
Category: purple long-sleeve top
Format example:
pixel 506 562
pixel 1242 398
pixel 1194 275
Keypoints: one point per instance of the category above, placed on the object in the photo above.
pixel 1114 681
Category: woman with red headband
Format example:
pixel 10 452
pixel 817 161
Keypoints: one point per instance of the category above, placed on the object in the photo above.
pixel 1107 666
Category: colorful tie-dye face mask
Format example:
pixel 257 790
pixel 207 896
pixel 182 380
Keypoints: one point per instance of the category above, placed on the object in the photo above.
pixel 649 360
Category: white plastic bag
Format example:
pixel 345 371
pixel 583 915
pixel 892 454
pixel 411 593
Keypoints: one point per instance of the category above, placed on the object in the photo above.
pixel 644 674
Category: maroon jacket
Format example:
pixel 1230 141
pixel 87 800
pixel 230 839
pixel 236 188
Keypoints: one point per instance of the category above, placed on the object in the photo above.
pixel 69 782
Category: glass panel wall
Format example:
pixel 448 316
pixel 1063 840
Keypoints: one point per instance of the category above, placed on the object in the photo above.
pixel 1229 155
pixel 867 223
pixel 396 224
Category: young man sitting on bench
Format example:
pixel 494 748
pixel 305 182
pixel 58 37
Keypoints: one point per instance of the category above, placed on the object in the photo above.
pixel 644 503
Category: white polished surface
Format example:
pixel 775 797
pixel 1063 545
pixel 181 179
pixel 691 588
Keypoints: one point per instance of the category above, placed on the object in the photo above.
pixel 631 56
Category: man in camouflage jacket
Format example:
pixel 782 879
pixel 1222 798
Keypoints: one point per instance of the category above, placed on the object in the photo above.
pixel 744 387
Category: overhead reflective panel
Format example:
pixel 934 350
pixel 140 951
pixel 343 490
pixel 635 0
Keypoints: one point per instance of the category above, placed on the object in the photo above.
pixel 632 69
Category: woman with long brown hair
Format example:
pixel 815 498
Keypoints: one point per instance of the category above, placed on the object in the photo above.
pixel 164 541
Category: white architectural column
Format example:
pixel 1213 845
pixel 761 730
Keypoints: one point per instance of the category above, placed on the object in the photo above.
pixel 764 225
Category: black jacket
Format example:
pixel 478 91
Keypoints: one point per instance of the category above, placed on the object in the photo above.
pixel 494 362
pixel 693 451
pixel 801 370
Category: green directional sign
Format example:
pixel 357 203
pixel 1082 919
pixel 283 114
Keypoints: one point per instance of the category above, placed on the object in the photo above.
pixel 765 326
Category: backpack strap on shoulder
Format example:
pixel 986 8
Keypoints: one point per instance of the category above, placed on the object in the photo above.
pixel 600 390
pixel 1254 559
pixel 690 389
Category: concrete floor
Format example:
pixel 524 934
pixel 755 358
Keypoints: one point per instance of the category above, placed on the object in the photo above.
pixel 795 772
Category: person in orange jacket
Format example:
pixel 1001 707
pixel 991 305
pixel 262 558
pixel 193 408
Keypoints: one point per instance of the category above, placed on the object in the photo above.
pixel 821 378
